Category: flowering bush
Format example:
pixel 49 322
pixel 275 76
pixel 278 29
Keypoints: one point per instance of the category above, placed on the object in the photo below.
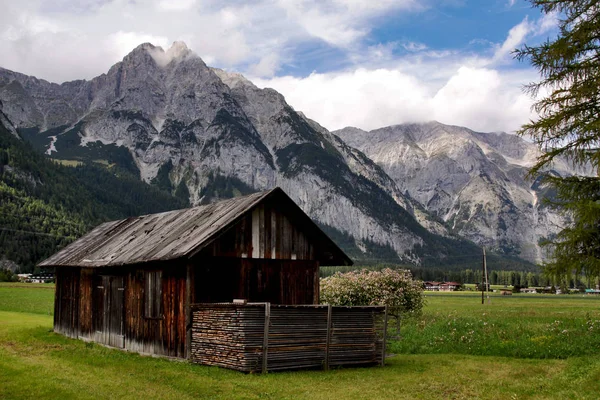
pixel 392 287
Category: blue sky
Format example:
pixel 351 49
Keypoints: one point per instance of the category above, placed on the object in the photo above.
pixel 468 26
pixel 362 63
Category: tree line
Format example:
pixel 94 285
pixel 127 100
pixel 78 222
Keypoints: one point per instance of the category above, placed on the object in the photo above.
pixel 473 276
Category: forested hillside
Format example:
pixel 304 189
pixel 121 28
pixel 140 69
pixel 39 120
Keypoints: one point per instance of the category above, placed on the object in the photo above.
pixel 45 205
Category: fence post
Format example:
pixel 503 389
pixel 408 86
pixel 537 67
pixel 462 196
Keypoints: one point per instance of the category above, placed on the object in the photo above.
pixel 266 336
pixel 328 339
pixel 385 321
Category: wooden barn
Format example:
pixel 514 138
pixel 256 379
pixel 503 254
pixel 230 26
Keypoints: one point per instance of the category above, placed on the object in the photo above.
pixel 130 284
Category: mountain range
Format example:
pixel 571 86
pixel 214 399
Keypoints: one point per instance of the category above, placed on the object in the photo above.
pixel 475 182
pixel 424 194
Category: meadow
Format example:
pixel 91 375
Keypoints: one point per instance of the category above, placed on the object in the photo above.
pixel 515 347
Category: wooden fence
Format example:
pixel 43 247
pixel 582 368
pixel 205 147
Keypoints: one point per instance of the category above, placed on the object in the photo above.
pixel 261 337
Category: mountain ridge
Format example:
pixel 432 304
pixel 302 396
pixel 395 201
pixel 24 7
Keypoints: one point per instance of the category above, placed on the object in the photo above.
pixel 475 182
pixel 196 128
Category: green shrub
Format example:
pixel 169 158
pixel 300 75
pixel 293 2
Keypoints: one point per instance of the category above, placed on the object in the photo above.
pixel 394 288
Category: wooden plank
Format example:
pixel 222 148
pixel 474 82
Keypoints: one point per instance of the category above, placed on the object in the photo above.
pixel 255 233
pixel 188 310
pixel 316 284
pixel 265 348
pixel 273 241
pixel 85 302
pixel 328 340
pixel 261 231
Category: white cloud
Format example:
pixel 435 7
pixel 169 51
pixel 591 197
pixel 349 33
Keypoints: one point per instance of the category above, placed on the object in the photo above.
pixel 516 37
pixel 478 98
pixel 340 22
pixel 266 67
pixel 414 46
pixel 123 42
pixel 59 41
pixel 482 99
pixel 39 37
pixel 547 23
pixel 175 5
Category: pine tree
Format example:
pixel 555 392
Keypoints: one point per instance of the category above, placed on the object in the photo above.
pixel 568 127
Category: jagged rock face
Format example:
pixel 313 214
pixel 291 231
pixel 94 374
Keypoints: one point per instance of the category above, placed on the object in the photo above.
pixel 6 123
pixel 189 124
pixel 160 105
pixel 330 180
pixel 476 182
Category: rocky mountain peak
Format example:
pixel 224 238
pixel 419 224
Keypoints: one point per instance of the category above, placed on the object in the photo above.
pixel 174 54
pixel 233 79
pixel 147 54
pixel 202 133
pixel 178 49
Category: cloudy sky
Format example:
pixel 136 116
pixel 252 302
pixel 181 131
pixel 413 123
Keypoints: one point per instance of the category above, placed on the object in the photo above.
pixel 363 63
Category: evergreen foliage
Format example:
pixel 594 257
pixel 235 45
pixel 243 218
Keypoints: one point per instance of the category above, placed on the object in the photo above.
pixel 44 206
pixel 568 127
pixel 162 179
pixel 222 187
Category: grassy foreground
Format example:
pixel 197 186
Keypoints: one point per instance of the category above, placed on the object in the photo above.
pixel 36 363
pixel 523 326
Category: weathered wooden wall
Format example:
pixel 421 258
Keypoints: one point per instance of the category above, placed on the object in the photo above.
pixel 85 302
pixel 275 281
pixel 164 335
pixel 268 233
pixel 89 304
pixel 66 301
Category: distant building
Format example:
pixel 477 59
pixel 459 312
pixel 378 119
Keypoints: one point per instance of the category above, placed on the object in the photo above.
pixel 528 290
pixel 449 286
pixel 37 278
pixel 432 286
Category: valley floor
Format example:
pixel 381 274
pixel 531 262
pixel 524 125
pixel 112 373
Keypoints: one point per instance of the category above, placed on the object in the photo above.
pixel 37 363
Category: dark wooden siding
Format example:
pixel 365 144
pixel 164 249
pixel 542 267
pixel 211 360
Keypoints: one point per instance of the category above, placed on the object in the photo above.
pixel 66 302
pixel 265 233
pixel 164 335
pixel 276 281
pixel 81 310
pixel 85 302
pixel 108 309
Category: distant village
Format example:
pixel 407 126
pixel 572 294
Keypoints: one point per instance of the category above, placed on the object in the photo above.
pixel 433 286
pixel 36 278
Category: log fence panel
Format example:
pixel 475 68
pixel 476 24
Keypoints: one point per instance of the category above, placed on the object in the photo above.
pixel 297 337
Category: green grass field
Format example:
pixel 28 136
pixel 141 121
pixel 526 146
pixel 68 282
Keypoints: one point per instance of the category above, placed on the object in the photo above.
pixel 37 363
pixel 35 298
pixel 523 326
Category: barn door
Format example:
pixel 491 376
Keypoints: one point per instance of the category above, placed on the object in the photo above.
pixel 108 310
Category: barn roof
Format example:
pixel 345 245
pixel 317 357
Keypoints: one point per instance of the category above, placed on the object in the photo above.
pixel 176 234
